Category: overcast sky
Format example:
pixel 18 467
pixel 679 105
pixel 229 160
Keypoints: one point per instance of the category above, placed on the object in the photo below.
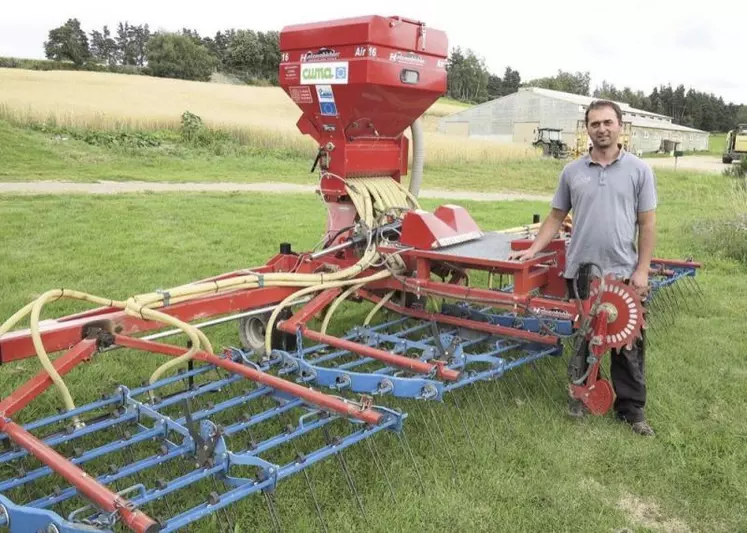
pixel 691 42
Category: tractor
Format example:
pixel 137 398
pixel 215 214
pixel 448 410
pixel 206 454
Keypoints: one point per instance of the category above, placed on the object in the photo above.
pixel 736 145
pixel 551 141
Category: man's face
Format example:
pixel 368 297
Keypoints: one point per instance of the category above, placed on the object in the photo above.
pixel 603 127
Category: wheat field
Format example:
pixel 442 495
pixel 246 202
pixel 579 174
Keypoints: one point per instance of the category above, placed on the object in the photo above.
pixel 259 116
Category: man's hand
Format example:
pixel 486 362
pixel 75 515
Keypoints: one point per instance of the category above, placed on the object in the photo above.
pixel 639 282
pixel 522 255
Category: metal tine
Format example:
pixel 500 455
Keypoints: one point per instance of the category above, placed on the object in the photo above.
pixel 444 444
pixel 484 410
pixel 541 378
pixel 402 437
pixel 674 298
pixel 229 522
pixel 685 297
pixel 469 414
pixel 698 288
pixel 466 429
pixel 466 413
pixel 421 422
pixel 318 507
pixel 307 477
pixel 271 508
pixel 515 376
pixel 380 466
pixel 346 474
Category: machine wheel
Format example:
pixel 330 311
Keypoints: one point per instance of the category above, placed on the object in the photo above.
pixel 252 330
pixel 726 160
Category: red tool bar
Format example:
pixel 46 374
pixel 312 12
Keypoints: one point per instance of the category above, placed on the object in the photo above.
pixel 317 398
pixel 22 396
pixel 675 262
pixel 399 361
pixel 64 333
pixel 299 319
pixel 308 311
pixel 87 485
pixel 466 323
pixel 473 294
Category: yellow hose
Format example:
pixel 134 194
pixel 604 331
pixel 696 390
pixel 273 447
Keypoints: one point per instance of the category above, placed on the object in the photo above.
pixel 379 305
pixel 317 288
pixel 335 304
pixel 367 195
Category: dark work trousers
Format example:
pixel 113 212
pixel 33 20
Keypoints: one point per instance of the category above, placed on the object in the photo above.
pixel 627 373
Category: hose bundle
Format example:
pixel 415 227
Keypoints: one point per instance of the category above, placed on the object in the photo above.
pixel 374 199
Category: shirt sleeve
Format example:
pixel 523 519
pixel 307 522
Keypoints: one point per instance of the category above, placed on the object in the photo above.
pixel 562 198
pixel 647 197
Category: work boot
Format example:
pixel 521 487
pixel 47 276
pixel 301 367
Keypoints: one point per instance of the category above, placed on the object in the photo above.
pixel 577 408
pixel 642 428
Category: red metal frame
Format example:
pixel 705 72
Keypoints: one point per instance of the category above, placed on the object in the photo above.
pixel 297 323
pixel 87 485
pixel 493 329
pixel 22 396
pixel 317 398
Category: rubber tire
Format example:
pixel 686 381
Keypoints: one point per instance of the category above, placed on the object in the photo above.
pixel 726 160
pixel 252 332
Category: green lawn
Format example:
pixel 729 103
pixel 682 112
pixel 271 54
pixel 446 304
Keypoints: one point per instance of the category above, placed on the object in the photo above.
pixel 531 469
pixel 717 143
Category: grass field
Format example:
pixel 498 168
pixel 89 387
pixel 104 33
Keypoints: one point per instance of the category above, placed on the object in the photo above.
pixel 717 143
pixel 531 469
pixel 30 155
pixel 522 466
pixel 258 117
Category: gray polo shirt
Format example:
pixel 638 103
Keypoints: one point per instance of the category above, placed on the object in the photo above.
pixel 605 202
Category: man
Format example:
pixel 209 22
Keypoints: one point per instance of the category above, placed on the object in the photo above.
pixel 612 194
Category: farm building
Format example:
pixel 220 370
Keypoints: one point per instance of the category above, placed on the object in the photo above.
pixel 515 118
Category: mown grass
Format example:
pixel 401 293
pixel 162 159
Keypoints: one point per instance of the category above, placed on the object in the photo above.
pixel 531 469
pixel 31 155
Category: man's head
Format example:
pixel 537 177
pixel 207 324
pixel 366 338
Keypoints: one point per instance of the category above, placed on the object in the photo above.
pixel 604 123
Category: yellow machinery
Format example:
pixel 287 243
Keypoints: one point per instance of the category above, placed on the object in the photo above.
pixel 736 145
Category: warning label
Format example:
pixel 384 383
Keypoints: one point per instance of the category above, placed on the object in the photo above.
pixel 301 95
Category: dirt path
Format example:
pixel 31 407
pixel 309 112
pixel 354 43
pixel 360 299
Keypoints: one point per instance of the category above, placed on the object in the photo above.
pixel 701 163
pixel 119 187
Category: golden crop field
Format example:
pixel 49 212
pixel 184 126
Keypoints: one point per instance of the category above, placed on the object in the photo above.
pixel 260 116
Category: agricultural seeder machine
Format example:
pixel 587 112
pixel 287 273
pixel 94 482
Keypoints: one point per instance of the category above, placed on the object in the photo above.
pixel 446 309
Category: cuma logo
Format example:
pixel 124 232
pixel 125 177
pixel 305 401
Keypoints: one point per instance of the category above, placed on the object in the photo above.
pixel 320 73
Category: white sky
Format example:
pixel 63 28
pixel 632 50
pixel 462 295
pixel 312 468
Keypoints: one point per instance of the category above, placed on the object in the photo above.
pixel 692 42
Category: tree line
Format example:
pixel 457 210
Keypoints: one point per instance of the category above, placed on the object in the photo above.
pixel 470 80
pixel 254 57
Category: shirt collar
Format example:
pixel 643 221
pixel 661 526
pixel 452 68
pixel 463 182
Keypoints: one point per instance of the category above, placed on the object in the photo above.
pixel 587 156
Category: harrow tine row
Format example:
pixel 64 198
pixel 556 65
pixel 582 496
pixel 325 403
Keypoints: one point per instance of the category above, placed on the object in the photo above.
pixel 181 441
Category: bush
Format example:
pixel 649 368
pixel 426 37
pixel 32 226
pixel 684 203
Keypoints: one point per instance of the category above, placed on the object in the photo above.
pixel 738 170
pixel 178 56
pixel 47 65
pixel 121 138
pixel 727 235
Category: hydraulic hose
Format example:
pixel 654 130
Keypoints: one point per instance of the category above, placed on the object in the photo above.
pixel 418 156
pixel 367 194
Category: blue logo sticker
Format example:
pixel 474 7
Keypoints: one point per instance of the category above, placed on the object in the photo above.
pixel 341 73
pixel 328 108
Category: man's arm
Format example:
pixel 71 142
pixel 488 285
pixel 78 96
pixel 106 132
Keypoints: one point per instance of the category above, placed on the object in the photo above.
pixel 646 245
pixel 549 227
pixel 647 202
pixel 561 206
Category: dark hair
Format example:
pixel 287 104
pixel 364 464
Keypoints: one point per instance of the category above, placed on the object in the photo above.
pixel 599 104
